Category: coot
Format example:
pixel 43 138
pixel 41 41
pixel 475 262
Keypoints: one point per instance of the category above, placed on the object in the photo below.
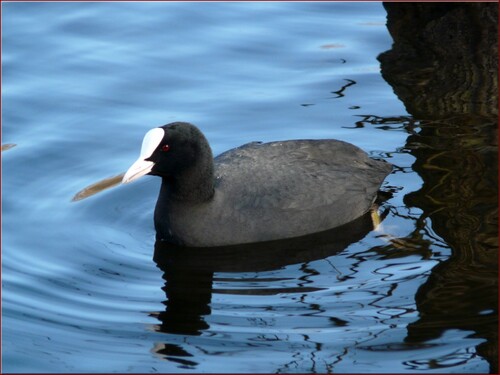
pixel 256 192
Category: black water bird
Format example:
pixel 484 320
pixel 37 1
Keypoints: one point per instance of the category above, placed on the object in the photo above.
pixel 256 192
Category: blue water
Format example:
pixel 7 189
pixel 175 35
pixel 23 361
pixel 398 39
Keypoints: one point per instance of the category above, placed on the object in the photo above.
pixel 81 85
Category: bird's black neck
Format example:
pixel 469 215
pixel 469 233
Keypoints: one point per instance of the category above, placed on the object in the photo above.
pixel 193 185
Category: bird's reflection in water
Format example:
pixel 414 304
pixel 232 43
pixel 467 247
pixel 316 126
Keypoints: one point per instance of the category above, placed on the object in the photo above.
pixel 189 274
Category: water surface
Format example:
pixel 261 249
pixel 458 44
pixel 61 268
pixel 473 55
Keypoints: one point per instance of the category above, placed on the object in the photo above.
pixel 83 82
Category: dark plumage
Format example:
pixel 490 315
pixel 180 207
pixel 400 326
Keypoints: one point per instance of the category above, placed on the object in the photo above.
pixel 256 192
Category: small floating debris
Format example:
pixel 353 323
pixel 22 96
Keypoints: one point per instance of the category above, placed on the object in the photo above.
pixel 98 187
pixel 8 146
pixel 332 45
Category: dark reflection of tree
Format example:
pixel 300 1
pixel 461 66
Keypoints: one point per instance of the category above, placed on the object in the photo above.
pixel 444 66
pixel 459 195
pixel 444 60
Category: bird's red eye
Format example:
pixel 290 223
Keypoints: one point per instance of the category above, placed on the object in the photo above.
pixel 165 147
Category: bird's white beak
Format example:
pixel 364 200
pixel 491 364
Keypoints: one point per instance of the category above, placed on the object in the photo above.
pixel 142 166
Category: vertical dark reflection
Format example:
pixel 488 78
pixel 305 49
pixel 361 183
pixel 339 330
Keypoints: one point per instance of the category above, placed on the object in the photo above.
pixel 188 300
pixel 443 65
pixel 444 59
pixel 189 273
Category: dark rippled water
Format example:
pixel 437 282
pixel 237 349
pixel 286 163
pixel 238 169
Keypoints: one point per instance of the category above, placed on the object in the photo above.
pixel 84 289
